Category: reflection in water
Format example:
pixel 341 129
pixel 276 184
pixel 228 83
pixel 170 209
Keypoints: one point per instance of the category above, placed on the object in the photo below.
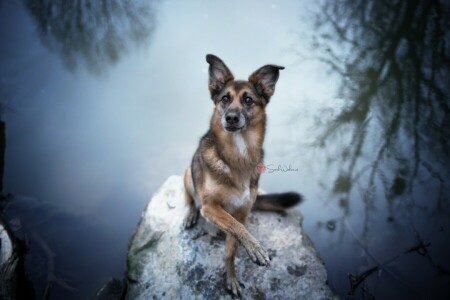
pixel 2 152
pixel 96 33
pixel 60 244
pixel 98 151
pixel 4 107
pixel 36 225
pixel 395 76
pixel 393 60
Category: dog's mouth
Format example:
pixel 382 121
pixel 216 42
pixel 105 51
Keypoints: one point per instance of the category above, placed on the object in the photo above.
pixel 233 128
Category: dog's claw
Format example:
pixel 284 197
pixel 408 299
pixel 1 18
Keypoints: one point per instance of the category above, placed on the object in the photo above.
pixel 191 219
pixel 257 254
pixel 234 286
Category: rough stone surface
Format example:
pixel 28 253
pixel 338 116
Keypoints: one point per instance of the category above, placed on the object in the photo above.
pixel 167 262
pixel 8 265
pixel 6 246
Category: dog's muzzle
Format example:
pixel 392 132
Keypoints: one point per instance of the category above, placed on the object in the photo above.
pixel 233 121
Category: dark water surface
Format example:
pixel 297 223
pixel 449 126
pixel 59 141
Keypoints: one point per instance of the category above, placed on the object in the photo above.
pixel 103 100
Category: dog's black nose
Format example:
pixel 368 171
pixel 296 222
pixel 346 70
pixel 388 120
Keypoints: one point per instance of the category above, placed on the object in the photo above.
pixel 232 118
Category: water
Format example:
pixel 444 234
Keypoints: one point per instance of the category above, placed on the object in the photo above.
pixel 102 102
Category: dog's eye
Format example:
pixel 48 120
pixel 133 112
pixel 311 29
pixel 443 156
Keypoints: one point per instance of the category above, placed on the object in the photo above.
pixel 226 99
pixel 248 100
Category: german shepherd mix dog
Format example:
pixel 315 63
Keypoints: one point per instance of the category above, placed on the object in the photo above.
pixel 222 181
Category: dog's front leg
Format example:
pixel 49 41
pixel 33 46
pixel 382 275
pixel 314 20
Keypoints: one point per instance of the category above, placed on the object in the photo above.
pixel 192 215
pixel 218 216
pixel 233 284
pixel 232 243
pixel 236 232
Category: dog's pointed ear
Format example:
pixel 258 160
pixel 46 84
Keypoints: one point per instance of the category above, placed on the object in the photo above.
pixel 219 74
pixel 264 80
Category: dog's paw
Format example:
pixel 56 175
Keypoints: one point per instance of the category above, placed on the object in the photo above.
pixel 234 286
pixel 257 254
pixel 191 218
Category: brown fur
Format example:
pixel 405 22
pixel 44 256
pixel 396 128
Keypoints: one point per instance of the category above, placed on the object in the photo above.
pixel 222 181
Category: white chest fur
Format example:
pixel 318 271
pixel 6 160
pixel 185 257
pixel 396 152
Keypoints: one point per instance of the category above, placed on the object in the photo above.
pixel 240 144
pixel 239 200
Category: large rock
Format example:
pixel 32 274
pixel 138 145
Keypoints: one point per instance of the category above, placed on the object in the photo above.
pixel 14 282
pixel 8 265
pixel 167 262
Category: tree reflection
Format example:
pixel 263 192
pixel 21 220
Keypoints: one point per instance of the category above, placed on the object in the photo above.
pixel 4 107
pixel 391 138
pixel 95 33
pixel 393 58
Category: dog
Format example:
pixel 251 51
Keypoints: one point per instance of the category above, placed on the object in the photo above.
pixel 222 181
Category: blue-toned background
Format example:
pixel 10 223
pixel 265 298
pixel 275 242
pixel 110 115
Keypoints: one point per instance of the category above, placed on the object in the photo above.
pixel 103 100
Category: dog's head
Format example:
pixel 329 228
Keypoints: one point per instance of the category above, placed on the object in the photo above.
pixel 240 104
